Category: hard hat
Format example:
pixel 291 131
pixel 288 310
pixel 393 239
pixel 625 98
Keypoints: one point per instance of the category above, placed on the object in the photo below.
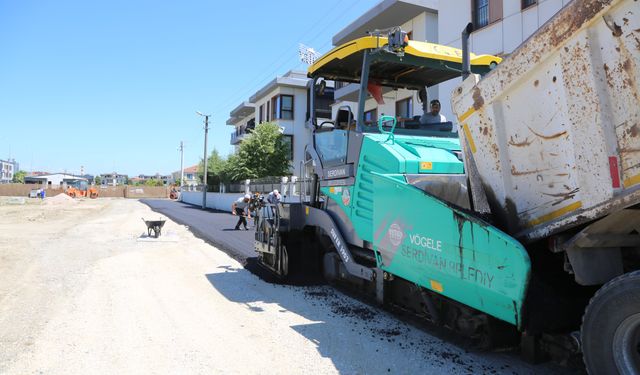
pixel 247 196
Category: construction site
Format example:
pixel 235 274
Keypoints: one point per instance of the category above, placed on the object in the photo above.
pixel 494 230
pixel 126 303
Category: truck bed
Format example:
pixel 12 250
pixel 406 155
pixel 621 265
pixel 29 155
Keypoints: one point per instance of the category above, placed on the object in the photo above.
pixel 553 133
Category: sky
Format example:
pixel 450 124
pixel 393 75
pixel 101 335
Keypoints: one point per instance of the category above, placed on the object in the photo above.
pixel 114 86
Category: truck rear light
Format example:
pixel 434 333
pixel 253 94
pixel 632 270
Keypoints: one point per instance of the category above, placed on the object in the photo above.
pixel 615 175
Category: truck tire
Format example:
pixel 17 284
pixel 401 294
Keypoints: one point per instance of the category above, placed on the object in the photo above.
pixel 610 331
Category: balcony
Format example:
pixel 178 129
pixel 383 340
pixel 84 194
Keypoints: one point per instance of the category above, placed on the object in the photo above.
pixel 241 132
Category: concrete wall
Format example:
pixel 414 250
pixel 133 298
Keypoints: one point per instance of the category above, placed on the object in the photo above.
pixel 216 201
pixel 110 191
pixel 146 192
pixel 22 190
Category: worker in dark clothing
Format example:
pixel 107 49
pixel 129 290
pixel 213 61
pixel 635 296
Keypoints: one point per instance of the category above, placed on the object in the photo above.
pixel 241 209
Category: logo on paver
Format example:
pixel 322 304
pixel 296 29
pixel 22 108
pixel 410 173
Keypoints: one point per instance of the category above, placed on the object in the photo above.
pixel 395 234
pixel 346 197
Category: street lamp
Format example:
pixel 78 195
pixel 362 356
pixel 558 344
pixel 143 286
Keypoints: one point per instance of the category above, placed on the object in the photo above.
pixel 206 132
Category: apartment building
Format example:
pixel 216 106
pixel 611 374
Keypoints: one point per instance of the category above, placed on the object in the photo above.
pixel 282 101
pixel 113 179
pixel 419 18
pixel 7 169
pixel 501 26
pixel 143 178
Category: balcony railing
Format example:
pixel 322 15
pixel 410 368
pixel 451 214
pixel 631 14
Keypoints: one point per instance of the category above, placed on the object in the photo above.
pixel 238 135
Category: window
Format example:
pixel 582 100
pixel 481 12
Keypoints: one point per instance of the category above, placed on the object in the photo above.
pixel 486 12
pixel 286 107
pixel 332 147
pixel 261 114
pixel 288 141
pixel 404 108
pixel 481 10
pixel 528 3
pixel 371 117
pixel 274 109
pixel 282 107
pixel 268 112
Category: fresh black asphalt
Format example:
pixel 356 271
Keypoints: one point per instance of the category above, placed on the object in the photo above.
pixel 215 227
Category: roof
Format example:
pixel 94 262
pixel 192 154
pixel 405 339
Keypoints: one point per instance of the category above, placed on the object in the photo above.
pixel 191 169
pixel 423 64
pixel 386 14
pixel 63 176
pixel 292 78
pixel 243 110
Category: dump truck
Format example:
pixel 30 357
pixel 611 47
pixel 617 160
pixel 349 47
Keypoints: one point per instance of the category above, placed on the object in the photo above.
pixel 521 227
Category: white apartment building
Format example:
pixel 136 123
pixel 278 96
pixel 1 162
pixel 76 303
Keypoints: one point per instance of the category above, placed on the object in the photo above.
pixel 282 101
pixel 7 169
pixel 501 26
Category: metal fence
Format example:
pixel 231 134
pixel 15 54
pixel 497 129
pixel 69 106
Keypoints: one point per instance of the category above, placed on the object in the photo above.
pixel 291 187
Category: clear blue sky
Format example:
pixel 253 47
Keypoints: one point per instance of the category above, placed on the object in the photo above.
pixel 114 85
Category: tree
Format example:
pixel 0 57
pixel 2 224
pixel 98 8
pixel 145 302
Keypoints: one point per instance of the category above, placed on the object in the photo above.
pixel 216 167
pixel 153 182
pixel 97 180
pixel 18 177
pixel 263 153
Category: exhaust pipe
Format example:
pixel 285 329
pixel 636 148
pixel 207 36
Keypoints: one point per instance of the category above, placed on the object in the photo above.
pixel 466 54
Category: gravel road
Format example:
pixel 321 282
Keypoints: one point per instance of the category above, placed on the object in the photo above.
pixel 82 292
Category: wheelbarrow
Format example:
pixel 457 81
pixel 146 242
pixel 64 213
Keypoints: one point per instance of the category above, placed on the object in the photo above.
pixel 155 226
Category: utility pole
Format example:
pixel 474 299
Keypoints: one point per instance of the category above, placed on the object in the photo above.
pixel 206 132
pixel 181 164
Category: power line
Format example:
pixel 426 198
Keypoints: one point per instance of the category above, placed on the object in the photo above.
pixel 248 89
pixel 235 97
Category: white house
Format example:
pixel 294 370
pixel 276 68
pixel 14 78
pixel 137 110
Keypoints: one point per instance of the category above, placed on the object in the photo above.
pixel 190 176
pixel 502 25
pixel 54 180
pixel 282 101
